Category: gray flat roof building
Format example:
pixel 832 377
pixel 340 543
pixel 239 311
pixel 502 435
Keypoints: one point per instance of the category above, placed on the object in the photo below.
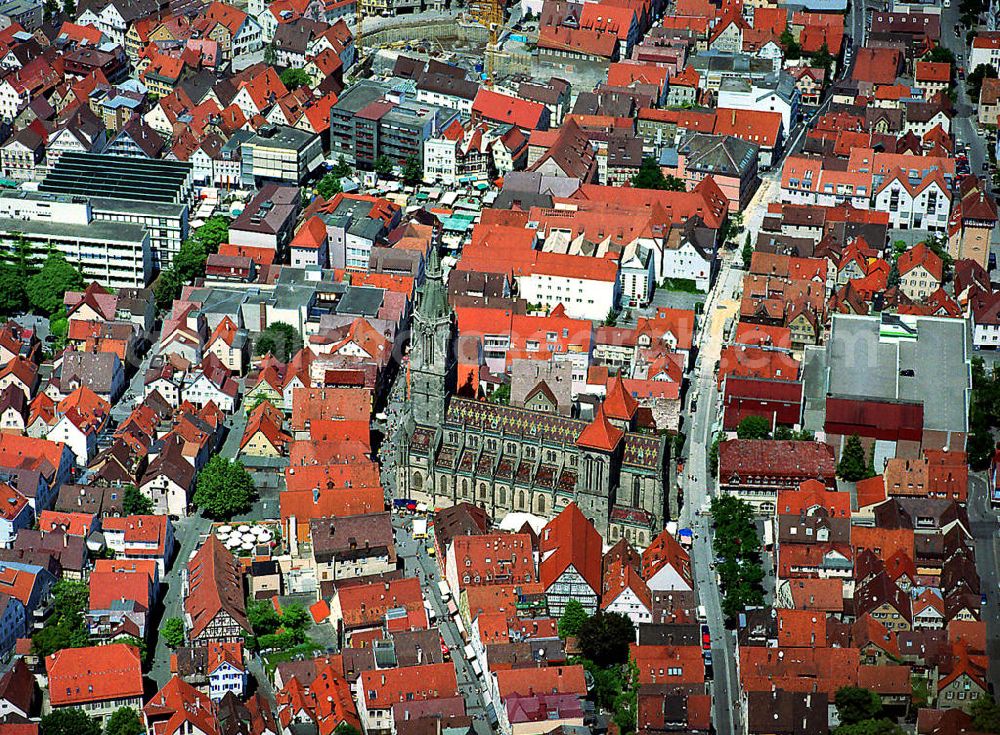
pixel 893 359
pixel 121 177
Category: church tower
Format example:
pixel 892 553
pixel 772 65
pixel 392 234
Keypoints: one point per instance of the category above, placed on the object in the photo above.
pixel 432 368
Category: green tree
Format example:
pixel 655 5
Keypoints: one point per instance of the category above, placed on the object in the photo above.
pixel 173 632
pixel 69 9
pixel 66 627
pixel 713 454
pixel 294 77
pixel 189 263
pixel 626 703
pixel 134 503
pixel 329 186
pixel 167 288
pixel 650 176
pixel 855 704
pixel 383 166
pixel 974 81
pixel 281 340
pixel 605 637
pixel 986 715
pixel 747 253
pixel 501 395
pixel 754 427
pixel 612 318
pixel 853 465
pixel 213 232
pixel 59 327
pixel 69 722
pixel 295 621
pixel 823 59
pixel 940 54
pixel 573 618
pixel 124 721
pixel 883 726
pixel 792 48
pixel 342 168
pixel 345 728
pixel 413 172
pixel 271 54
pixel 263 619
pixel 46 288
pixel 224 488
pixel 13 299
pixel 50 9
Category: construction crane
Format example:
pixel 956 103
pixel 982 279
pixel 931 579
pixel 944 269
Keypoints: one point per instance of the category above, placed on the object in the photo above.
pixel 359 35
pixel 491 14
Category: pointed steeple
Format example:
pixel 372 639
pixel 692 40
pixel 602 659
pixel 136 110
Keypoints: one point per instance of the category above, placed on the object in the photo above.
pixel 433 304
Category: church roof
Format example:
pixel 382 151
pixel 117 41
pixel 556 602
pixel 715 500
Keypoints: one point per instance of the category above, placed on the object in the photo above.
pixel 600 433
pixel 619 403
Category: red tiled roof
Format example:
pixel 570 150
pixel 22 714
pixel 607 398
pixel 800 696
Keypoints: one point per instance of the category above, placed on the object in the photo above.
pixel 570 540
pixel 665 550
pixel 78 676
pixel 619 403
pixel 600 433
pixel 215 585
pixel 384 687
pixel 504 108
pixel 546 680
pixel 493 558
pixel 672 665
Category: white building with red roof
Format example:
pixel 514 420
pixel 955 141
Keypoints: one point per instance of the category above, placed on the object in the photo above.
pixel 570 566
pixel 98 679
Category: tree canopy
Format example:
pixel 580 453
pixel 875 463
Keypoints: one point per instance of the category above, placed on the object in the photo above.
pixel 737 544
pixel 605 637
pixel 224 488
pixel 986 715
pixel 173 632
pixel 329 186
pixel 46 288
pixel 134 503
pixel 573 618
pixel 974 81
pixel 754 427
pixel 67 627
pixel 855 704
pixel 281 340
pixel 189 263
pixel 650 176
pixel 167 288
pixel 71 721
pixel 212 233
pixel 294 77
pixel 413 172
pixel 124 721
pixel 854 465
pixel 383 166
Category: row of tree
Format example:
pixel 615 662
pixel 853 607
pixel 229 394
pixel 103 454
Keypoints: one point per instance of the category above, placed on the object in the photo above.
pixel 984 413
pixel 737 551
pixel 758 427
pixel 330 185
pixel 73 721
pixel 189 262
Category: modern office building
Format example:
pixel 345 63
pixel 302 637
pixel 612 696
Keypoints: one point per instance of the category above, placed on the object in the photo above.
pixel 282 154
pixel 117 254
pixel 373 119
pixel 156 194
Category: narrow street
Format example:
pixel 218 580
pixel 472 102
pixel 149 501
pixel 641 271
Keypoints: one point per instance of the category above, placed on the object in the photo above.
pixel 985 529
pixel 416 562
pixel 697 490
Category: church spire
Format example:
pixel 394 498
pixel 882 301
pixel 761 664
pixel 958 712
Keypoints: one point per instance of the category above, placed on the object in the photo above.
pixel 433 297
